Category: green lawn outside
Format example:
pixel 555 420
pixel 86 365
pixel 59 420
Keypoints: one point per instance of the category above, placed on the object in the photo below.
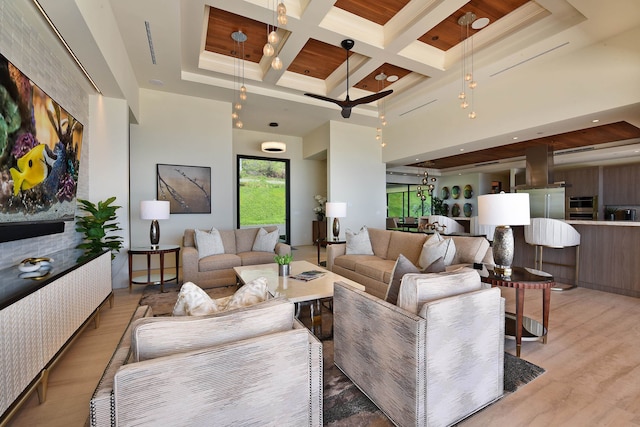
pixel 262 201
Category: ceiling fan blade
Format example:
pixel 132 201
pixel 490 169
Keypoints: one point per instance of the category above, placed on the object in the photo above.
pixel 370 98
pixel 324 98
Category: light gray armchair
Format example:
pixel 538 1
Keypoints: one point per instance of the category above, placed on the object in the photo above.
pixel 433 370
pixel 251 366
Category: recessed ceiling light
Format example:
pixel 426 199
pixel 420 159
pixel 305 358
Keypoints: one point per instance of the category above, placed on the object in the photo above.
pixel 462 149
pixel 595 121
pixel 392 78
pixel 480 23
pixel 515 137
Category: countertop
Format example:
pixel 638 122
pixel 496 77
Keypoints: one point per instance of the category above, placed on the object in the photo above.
pixel 610 223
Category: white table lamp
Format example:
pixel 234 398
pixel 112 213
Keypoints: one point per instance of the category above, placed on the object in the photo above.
pixel 503 210
pixel 336 210
pixel 154 210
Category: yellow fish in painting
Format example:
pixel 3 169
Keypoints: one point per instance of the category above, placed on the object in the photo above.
pixel 32 170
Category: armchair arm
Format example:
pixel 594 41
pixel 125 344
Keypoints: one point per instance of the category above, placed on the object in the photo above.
pixel 334 251
pixel 282 249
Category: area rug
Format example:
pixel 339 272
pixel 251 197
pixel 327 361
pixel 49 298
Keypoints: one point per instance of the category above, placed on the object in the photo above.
pixel 344 404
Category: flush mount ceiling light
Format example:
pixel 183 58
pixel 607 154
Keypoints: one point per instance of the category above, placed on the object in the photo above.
pixel 274 147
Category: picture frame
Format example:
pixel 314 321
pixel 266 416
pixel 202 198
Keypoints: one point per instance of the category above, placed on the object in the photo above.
pixel 187 188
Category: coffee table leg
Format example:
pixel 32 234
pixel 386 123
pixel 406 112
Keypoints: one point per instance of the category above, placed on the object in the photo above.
pixel 519 315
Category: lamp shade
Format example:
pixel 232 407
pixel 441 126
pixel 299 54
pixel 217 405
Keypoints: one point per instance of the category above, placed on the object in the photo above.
pixel 503 209
pixel 336 209
pixel 154 209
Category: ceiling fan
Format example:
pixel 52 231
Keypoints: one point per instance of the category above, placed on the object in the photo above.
pixel 348 104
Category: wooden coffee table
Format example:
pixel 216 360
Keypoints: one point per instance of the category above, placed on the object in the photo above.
pixel 298 291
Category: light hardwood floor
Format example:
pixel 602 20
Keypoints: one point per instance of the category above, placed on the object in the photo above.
pixel 592 359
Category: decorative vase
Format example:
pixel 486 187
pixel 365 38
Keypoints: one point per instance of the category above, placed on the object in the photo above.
pixel 284 269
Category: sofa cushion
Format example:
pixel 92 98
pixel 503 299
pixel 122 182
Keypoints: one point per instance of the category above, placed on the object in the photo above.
pixel 407 244
pixel 437 247
pixel 208 243
pixel 219 262
pixel 470 249
pixel 350 261
pixel 401 267
pixel 162 336
pixel 245 238
pixel 358 243
pixel 376 269
pixel 265 241
pixel 254 258
pixel 229 241
pixel 416 289
pixel 379 241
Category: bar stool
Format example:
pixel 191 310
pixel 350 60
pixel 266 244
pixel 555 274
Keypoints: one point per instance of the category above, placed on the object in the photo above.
pixel 552 233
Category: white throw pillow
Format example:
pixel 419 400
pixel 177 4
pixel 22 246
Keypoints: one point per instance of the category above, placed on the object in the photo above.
pixel 265 241
pixel 193 301
pixel 208 243
pixel 437 247
pixel 358 243
pixel 416 289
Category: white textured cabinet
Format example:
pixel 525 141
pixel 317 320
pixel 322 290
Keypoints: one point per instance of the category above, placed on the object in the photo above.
pixel 36 327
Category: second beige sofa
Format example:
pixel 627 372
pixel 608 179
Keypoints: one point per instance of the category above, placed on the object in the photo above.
pixel 374 271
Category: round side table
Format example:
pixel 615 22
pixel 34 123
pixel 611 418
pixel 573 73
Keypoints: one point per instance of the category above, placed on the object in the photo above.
pixel 522 279
pixel 153 279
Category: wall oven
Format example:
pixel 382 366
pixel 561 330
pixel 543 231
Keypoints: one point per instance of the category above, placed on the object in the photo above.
pixel 583 208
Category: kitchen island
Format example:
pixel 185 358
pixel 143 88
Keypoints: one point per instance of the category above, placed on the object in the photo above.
pixel 609 256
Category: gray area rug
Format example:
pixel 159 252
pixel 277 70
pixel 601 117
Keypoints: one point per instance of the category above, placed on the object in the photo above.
pixel 344 404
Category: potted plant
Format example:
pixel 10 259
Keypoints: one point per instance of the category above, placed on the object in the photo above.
pixel 284 264
pixel 438 206
pixel 98 221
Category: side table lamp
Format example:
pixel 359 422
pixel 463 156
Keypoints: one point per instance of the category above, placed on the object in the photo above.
pixel 336 210
pixel 154 210
pixel 503 210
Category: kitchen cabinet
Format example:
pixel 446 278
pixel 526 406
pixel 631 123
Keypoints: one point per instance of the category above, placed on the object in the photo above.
pixel 579 182
pixel 619 184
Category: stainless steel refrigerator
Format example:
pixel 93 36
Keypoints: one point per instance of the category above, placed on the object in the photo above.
pixel 546 202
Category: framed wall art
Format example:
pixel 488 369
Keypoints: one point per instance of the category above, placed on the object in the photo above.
pixel 187 188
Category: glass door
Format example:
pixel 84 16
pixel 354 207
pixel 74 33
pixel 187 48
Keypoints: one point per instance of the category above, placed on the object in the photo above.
pixel 263 194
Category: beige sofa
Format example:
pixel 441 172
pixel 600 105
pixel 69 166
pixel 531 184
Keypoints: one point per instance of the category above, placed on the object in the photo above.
pixel 217 270
pixel 213 370
pixel 430 368
pixel 374 271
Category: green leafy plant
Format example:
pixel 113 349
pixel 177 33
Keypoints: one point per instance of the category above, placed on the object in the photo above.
pixel 283 259
pixel 438 208
pixel 98 221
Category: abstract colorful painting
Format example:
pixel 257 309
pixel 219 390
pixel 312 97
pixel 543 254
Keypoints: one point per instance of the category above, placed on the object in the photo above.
pixel 187 188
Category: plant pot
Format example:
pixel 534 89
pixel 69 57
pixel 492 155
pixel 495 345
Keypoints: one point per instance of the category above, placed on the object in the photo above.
pixel 284 269
pixel 320 217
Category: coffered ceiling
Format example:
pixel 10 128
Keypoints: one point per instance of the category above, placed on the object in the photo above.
pixel 185 47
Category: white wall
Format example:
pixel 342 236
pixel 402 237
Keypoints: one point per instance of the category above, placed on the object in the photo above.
pixel 180 130
pixel 356 175
pixel 109 177
pixel 308 177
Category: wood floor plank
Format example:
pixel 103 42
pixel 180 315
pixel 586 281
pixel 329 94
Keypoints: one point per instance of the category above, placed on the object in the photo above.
pixel 592 363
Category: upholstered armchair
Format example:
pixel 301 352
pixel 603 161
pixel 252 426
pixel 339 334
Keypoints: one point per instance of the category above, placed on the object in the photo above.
pixel 432 364
pixel 250 366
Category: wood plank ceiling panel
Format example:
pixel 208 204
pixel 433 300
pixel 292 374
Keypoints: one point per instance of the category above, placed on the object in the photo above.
pixel 447 33
pixel 318 59
pixel 612 132
pixel 371 84
pixel 378 11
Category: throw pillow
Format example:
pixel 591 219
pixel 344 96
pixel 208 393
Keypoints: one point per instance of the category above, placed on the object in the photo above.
pixel 208 243
pixel 417 289
pixel 402 267
pixel 265 241
pixel 437 247
pixel 358 243
pixel 193 301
